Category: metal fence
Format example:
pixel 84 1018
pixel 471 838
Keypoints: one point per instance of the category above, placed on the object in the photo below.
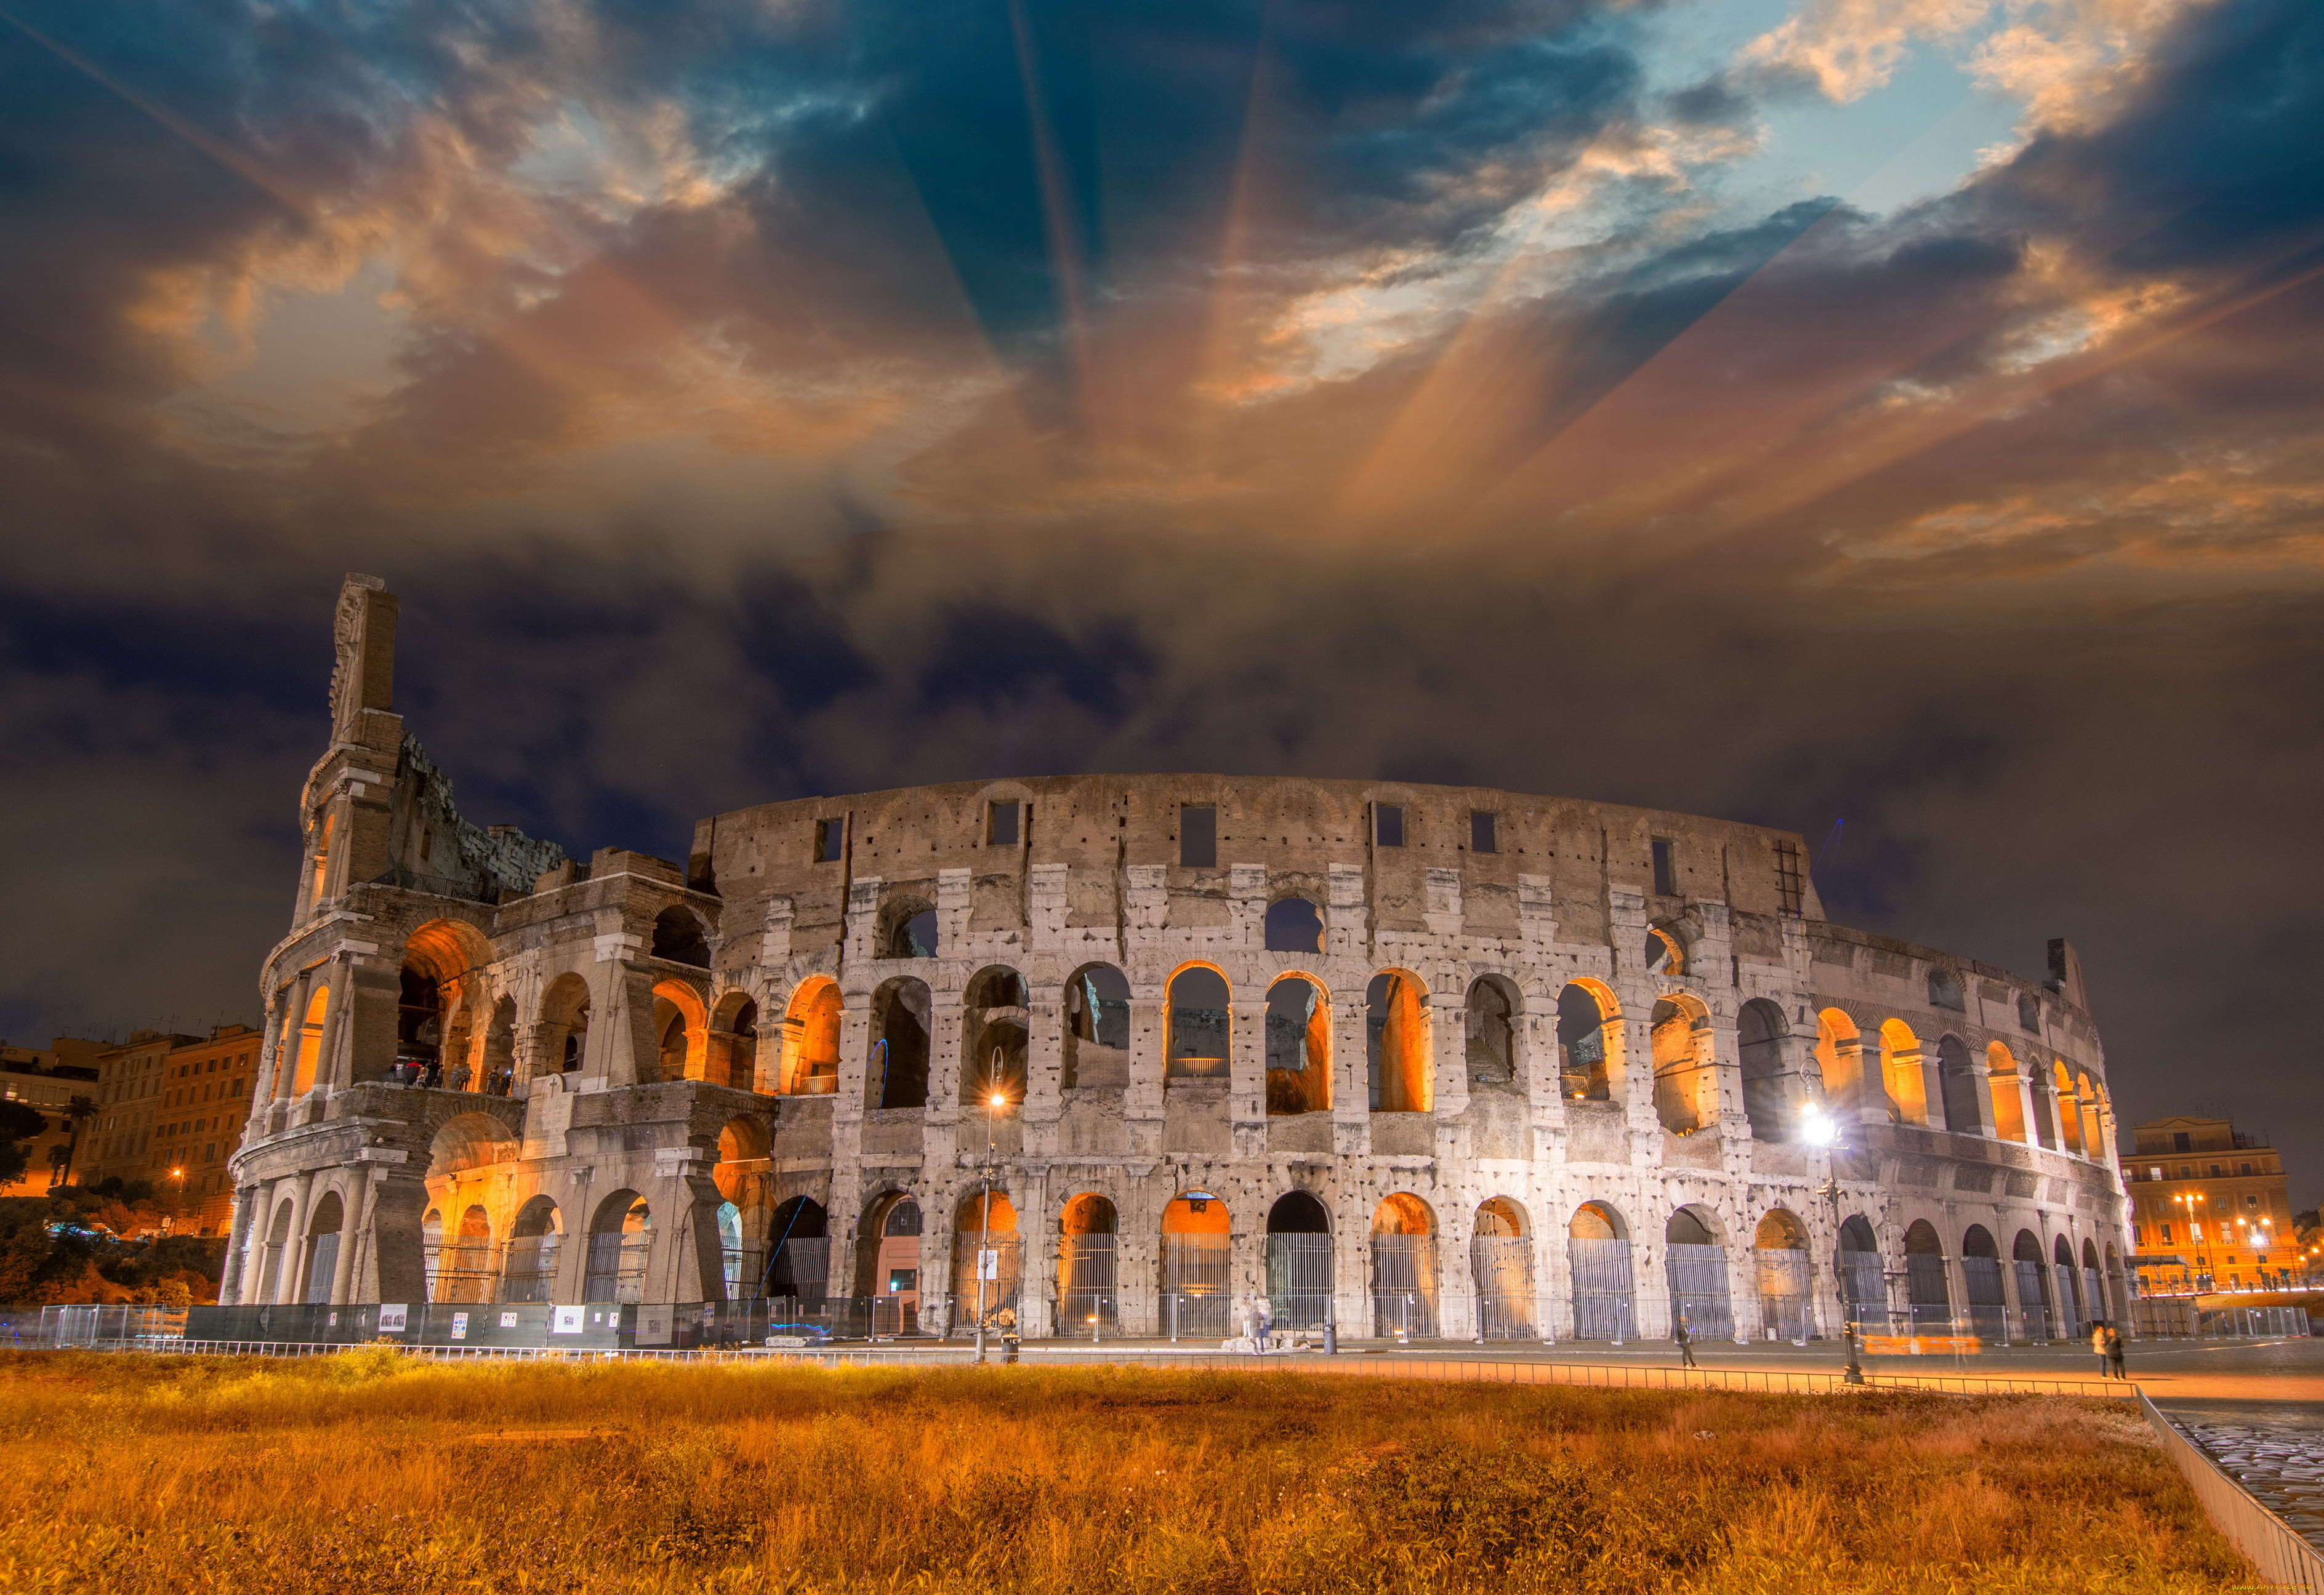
pixel 1299 1280
pixel 1195 1303
pixel 1697 1277
pixel 1605 1300
pixel 1502 1268
pixel 2285 1560
pixel 1088 1288
pixel 1786 1293
pixel 1404 1287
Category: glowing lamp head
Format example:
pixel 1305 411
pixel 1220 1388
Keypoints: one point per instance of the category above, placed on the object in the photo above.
pixel 999 1101
pixel 1816 1127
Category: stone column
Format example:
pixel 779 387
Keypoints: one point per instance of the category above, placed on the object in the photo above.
pixel 1142 1102
pixel 294 1261
pixel 1247 1077
pixel 1037 1242
pixel 355 1212
pixel 397 1201
pixel 237 1249
pixel 1351 1111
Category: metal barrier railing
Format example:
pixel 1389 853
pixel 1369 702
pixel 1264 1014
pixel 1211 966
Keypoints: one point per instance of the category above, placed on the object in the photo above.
pixel 2285 1560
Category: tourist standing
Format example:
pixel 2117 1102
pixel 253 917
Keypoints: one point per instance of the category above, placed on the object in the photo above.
pixel 2114 1354
pixel 1685 1343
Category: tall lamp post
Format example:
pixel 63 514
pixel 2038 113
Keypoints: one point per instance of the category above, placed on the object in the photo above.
pixel 2190 1201
pixel 984 1218
pixel 1819 1130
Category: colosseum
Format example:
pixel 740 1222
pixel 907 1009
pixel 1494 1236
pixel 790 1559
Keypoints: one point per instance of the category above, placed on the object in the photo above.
pixel 1109 1055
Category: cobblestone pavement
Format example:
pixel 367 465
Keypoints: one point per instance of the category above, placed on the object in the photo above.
pixel 2280 1463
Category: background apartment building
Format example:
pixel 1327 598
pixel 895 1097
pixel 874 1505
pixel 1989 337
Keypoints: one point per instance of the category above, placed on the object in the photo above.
pixel 2210 1206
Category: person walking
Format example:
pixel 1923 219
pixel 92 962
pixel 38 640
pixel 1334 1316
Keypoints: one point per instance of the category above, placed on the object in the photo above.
pixel 2098 1346
pixel 2114 1354
pixel 1685 1343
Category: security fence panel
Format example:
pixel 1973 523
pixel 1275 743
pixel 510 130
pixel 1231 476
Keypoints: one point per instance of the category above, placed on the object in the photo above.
pixel 800 1269
pixel 1088 1296
pixel 2032 1299
pixel 1605 1304
pixel 1299 1280
pixel 2070 1306
pixel 1697 1277
pixel 1404 1285
pixel 1195 1298
pixel 616 1270
pixel 1987 1307
pixel 1925 1293
pixel 2094 1301
pixel 1786 1293
pixel 743 1268
pixel 986 1274
pixel 1502 1268
pixel 1864 1290
pixel 460 1272
pixel 322 1262
pixel 528 1266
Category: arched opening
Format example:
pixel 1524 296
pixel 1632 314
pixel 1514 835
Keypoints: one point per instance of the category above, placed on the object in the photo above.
pixel 1787 1277
pixel 1195 1253
pixel 322 1249
pixel 277 1243
pixel 908 928
pixel 1598 1256
pixel 1298 1047
pixel 1490 1022
pixel 1097 1029
pixel 1198 1032
pixel 2093 1136
pixel 681 1031
pixel 1964 1093
pixel 1088 1288
pixel 987 1263
pixel 1863 1282
pixel 528 1264
pixel 1686 1076
pixel 460 1269
pixel 897 1076
pixel 498 1071
pixel 432 1244
pixel 418 1030
pixel 1925 1295
pixel 2072 1310
pixel 311 1041
pixel 1840 1062
pixel 2033 1303
pixel 2094 1301
pixel 1299 1267
pixel 1293 925
pixel 2069 1109
pixel 1903 1071
pixel 741 1175
pixel 620 1235
pixel 1586 1013
pixel 564 1040
pixel 677 937
pixel 995 1022
pixel 734 1042
pixel 2046 1119
pixel 1396 1044
pixel 1663 953
pixel 1404 1267
pixel 1759 1032
pixel 431 1023
pixel 2006 1095
pixel 799 1265
pixel 1987 1300
pixel 888 1263
pixel 1694 1267
pixel 1500 1262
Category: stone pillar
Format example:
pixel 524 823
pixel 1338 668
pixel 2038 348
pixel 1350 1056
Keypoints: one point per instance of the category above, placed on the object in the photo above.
pixel 576 1210
pixel 1351 1112
pixel 1036 1258
pixel 1247 1076
pixel 353 1213
pixel 366 1043
pixel 1142 1102
pixel 237 1249
pixel 685 1262
pixel 397 1201
pixel 1045 1063
pixel 294 1261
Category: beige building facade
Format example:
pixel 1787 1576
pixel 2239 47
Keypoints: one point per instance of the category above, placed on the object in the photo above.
pixel 1115 1051
pixel 2210 1207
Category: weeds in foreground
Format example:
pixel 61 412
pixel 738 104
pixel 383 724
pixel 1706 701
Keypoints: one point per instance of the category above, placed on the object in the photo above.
pixel 374 1472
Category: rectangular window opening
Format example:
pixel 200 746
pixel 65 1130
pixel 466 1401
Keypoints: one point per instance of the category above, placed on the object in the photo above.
pixel 1000 824
pixel 1665 876
pixel 830 836
pixel 1198 836
pixel 1387 823
pixel 1790 876
pixel 1482 833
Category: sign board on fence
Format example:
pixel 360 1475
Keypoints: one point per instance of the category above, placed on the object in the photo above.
pixel 654 1326
pixel 391 1316
pixel 459 1326
pixel 565 1321
pixel 988 1265
pixel 508 1321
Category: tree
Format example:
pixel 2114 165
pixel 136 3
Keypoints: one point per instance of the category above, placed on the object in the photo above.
pixel 19 1122
pixel 78 1112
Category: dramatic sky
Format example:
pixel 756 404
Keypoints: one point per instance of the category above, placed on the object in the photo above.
pixel 1892 419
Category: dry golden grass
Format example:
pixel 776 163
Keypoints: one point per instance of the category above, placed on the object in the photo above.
pixel 374 1472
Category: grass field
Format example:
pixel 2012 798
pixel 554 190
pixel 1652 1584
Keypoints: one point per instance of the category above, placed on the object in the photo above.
pixel 374 1472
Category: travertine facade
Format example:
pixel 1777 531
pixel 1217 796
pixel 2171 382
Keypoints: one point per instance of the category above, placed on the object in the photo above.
pixel 1539 1063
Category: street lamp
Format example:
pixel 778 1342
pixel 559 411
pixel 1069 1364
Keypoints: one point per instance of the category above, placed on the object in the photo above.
pixel 1817 1129
pixel 984 1231
pixel 2190 1201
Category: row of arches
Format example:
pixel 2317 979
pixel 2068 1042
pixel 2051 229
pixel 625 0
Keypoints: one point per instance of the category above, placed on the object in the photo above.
pixel 1886 1071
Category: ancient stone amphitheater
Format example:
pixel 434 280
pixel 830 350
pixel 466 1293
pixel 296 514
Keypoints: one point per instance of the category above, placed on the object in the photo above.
pixel 1109 1055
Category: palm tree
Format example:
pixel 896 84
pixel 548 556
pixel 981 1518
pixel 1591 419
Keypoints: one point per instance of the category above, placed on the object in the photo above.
pixel 78 1111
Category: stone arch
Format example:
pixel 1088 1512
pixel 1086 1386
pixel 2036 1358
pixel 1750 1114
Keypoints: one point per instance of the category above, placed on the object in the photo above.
pixel 1298 1213
pixel 1760 1033
pixel 1686 1073
pixel 1694 1267
pixel 995 1033
pixel 2069 1110
pixel 1088 1262
pixel 798 1252
pixel 2086 1097
pixel 563 1043
pixel 1490 1022
pixel 311 1041
pixel 1926 1294
pixel 460 1269
pixel 2006 1096
pixel 888 1259
pixel 681 1030
pixel 468 1143
pixel 1199 1033
pixel 679 937
pixel 2035 1285
pixel 1500 1266
pixel 1295 924
pixel 811 1023
pixel 987 1261
pixel 1963 1093
pixel 1404 1267
pixel 735 1041
pixel 1597 1220
pixel 1589 1041
pixel 1097 1029
pixel 1298 1046
pixel 439 977
pixel 1786 1275
pixel 278 1246
pixel 1196 1280
pixel 620 1236
pixel 897 1075
pixel 1903 1074
pixel 1599 1261
pixel 529 1261
pixel 1839 1061
pixel 320 1265
pixel 1664 954
pixel 909 927
pixel 1863 1281
pixel 1396 1043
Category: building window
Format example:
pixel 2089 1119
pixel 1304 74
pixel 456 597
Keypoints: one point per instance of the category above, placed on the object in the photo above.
pixel 2217 1173
pixel 1481 836
pixel 2180 1141
pixel 830 836
pixel 1198 835
pixel 2244 1167
pixel 1000 824
pixel 1789 877
pixel 1665 876
pixel 1387 823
